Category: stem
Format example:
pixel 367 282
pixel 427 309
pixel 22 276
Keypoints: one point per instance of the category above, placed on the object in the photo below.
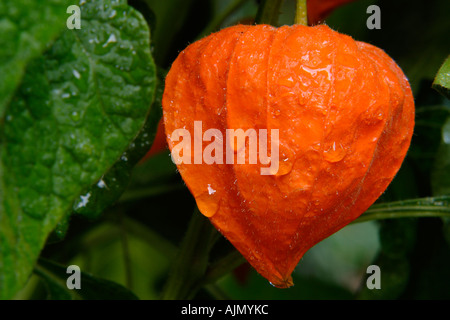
pixel 190 265
pixel 268 12
pixel 301 16
pixel 414 208
pixel 126 253
pixel 216 292
pixel 223 266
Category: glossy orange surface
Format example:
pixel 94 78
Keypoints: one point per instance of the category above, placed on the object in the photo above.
pixel 345 115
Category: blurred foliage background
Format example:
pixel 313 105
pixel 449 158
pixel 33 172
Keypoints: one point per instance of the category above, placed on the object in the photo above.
pixel 134 241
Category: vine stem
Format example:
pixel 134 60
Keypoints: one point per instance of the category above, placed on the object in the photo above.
pixel 126 253
pixel 413 208
pixel 301 16
pixel 191 262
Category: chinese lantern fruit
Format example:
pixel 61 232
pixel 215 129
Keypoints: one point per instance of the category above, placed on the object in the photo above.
pixel 344 112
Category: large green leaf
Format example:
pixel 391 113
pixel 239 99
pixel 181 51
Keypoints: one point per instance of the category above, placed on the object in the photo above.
pixel 75 113
pixel 26 27
pixel 115 181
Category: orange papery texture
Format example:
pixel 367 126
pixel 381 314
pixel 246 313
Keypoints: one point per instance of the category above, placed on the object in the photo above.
pixel 345 115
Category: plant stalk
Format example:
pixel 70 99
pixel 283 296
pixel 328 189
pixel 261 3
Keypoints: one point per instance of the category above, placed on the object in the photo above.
pixel 301 13
pixel 413 208
pixel 191 262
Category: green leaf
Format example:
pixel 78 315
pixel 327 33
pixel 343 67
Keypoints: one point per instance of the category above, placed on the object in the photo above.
pixel 76 112
pixel 26 27
pixel 92 288
pixel 442 81
pixel 115 181
pixel 121 250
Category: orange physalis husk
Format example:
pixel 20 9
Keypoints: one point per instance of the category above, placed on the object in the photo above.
pixel 345 114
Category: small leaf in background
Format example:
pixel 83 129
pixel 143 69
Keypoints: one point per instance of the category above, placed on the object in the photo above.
pixel 397 239
pixel 92 288
pixel 26 28
pixel 77 110
pixel 442 80
pixel 342 258
pixel 121 250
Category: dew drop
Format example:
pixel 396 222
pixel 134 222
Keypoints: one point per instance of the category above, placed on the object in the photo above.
pixel 92 40
pixel 208 202
pixel 289 82
pixel 76 74
pixel 83 201
pixel 75 116
pixel 313 72
pixel 335 153
pixel 112 14
pixel 111 39
pixel 285 161
pixel 380 116
pixel 211 190
pixel 101 184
